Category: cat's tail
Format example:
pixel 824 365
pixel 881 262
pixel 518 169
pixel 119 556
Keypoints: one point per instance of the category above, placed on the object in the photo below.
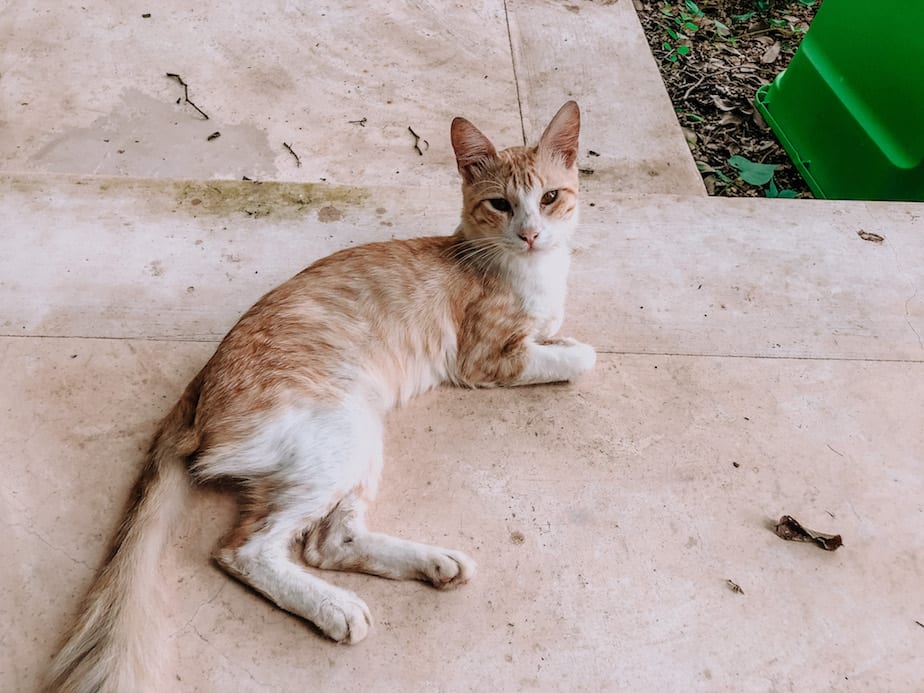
pixel 114 645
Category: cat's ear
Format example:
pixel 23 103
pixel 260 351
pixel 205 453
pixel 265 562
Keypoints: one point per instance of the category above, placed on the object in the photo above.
pixel 561 136
pixel 471 147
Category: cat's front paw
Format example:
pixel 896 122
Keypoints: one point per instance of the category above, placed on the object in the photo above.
pixel 446 569
pixel 344 617
pixel 583 357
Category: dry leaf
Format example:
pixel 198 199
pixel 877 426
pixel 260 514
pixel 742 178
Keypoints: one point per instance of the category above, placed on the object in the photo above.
pixel 771 54
pixel 788 528
pixel 871 237
pixel 734 587
pixel 722 104
pixel 730 119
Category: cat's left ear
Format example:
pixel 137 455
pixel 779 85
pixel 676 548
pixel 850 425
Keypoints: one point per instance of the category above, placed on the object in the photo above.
pixel 561 136
pixel 472 148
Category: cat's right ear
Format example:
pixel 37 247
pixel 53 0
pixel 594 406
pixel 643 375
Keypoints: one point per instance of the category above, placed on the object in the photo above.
pixel 472 148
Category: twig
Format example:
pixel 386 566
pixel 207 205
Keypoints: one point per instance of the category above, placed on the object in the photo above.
pixel 686 94
pixel 298 162
pixel 361 122
pixel 757 33
pixel 214 136
pixel 179 79
pixel 417 141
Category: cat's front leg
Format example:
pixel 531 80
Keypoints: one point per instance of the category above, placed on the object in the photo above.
pixel 555 360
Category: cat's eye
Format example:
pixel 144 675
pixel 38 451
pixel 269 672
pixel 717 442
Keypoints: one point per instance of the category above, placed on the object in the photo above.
pixel 500 204
pixel 549 197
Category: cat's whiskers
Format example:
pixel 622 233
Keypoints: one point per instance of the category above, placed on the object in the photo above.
pixel 479 253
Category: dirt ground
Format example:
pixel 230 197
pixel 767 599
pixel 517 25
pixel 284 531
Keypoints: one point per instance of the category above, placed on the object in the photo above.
pixel 713 55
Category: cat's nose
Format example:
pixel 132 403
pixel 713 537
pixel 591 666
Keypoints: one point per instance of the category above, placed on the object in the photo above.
pixel 529 235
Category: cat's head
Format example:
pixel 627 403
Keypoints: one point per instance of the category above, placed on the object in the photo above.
pixel 522 200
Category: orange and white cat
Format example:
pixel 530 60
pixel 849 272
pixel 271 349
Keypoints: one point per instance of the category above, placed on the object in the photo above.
pixel 290 408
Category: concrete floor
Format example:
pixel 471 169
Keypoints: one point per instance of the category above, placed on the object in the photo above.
pixel 757 357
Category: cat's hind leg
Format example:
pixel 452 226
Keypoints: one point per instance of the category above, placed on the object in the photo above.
pixel 341 541
pixel 258 552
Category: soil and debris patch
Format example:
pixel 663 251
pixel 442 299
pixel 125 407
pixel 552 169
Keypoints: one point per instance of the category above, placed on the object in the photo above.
pixel 713 55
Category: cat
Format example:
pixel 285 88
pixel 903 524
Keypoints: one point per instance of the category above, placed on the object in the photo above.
pixel 289 409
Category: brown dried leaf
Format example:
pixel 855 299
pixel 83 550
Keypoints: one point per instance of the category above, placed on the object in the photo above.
pixel 734 587
pixel 771 54
pixel 788 528
pixel 730 119
pixel 722 104
pixel 870 236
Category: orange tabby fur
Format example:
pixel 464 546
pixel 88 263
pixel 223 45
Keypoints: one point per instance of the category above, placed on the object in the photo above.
pixel 290 407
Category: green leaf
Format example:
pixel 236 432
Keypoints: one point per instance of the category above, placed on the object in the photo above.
pixel 738 18
pixel 753 172
pixel 672 34
pixel 787 193
pixel 722 177
pixel 721 29
pixel 699 13
pixel 673 57
pixel 666 46
pixel 691 26
pixel 772 191
pixel 695 118
pixel 683 50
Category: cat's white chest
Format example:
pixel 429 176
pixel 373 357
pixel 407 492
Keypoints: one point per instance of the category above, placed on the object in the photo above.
pixel 541 283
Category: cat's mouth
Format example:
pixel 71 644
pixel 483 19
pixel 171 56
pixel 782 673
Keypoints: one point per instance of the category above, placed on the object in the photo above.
pixel 528 248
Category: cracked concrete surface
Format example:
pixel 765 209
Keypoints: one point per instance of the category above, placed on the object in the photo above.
pixel 757 357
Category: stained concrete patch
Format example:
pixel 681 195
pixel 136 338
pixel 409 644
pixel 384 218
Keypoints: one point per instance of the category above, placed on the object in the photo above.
pixel 144 136
pixel 329 213
pixel 254 199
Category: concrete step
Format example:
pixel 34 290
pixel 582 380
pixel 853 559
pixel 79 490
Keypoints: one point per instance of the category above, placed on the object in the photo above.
pixel 605 516
pixel 165 259
pixel 86 91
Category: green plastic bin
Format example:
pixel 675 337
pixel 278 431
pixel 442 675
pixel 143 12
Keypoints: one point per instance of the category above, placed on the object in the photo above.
pixel 849 109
